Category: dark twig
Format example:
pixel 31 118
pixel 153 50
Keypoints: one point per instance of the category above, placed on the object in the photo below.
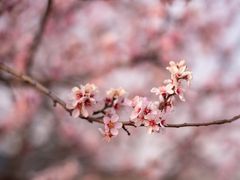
pixel 125 129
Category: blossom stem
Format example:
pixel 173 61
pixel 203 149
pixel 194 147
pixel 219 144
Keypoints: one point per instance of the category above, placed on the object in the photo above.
pixel 125 129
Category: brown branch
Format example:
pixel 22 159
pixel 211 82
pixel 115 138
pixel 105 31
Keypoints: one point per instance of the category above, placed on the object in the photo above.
pixel 126 130
pixel 35 84
pixel 38 36
pixel 57 100
pixel 216 122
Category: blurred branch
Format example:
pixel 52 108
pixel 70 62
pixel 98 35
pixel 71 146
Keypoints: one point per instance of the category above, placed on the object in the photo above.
pixel 150 57
pixel 38 36
pixel 7 5
pixel 56 100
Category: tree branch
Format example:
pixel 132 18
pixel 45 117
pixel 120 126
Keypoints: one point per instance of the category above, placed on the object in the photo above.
pixel 216 122
pixel 57 100
pixel 35 84
pixel 38 36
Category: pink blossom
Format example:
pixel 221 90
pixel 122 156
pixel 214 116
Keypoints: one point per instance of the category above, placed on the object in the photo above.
pixel 112 124
pixel 142 108
pixel 83 100
pixel 163 91
pixel 116 97
pixel 154 122
pixel 166 105
pixel 116 93
pixel 179 71
pixel 179 91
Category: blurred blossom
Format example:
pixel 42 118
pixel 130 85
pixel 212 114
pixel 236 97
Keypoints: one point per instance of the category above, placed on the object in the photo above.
pixel 116 44
pixel 67 170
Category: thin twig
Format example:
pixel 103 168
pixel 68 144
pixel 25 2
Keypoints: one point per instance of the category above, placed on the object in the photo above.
pixel 216 122
pixel 57 100
pixel 125 129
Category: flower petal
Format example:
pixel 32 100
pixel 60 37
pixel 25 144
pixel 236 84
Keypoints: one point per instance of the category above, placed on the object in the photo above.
pixel 114 131
pixel 118 125
pixel 155 90
pixel 84 112
pixel 75 89
pixel 106 119
pixel 134 115
pixel 74 103
pixel 156 128
pixel 181 63
pixel 150 130
pixel 114 118
pixel 69 106
pixel 76 113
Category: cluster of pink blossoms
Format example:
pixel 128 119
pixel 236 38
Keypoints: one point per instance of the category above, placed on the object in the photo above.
pixel 83 100
pixel 84 103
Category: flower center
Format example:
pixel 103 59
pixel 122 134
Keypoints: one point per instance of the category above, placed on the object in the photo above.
pixel 110 125
pixel 79 95
pixel 79 106
pixel 178 91
pixel 146 111
pixel 87 102
pixel 116 106
pixel 152 123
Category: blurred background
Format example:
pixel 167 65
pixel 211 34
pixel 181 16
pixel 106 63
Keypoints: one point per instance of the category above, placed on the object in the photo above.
pixel 119 43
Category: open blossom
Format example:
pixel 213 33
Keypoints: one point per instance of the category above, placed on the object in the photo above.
pixel 163 91
pixel 139 105
pixel 153 123
pixel 142 108
pixel 146 113
pixel 116 93
pixel 83 100
pixel 111 124
pixel 116 97
pixel 179 71
pixel 173 86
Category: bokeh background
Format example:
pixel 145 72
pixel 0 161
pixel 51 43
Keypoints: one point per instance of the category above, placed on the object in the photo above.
pixel 119 43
